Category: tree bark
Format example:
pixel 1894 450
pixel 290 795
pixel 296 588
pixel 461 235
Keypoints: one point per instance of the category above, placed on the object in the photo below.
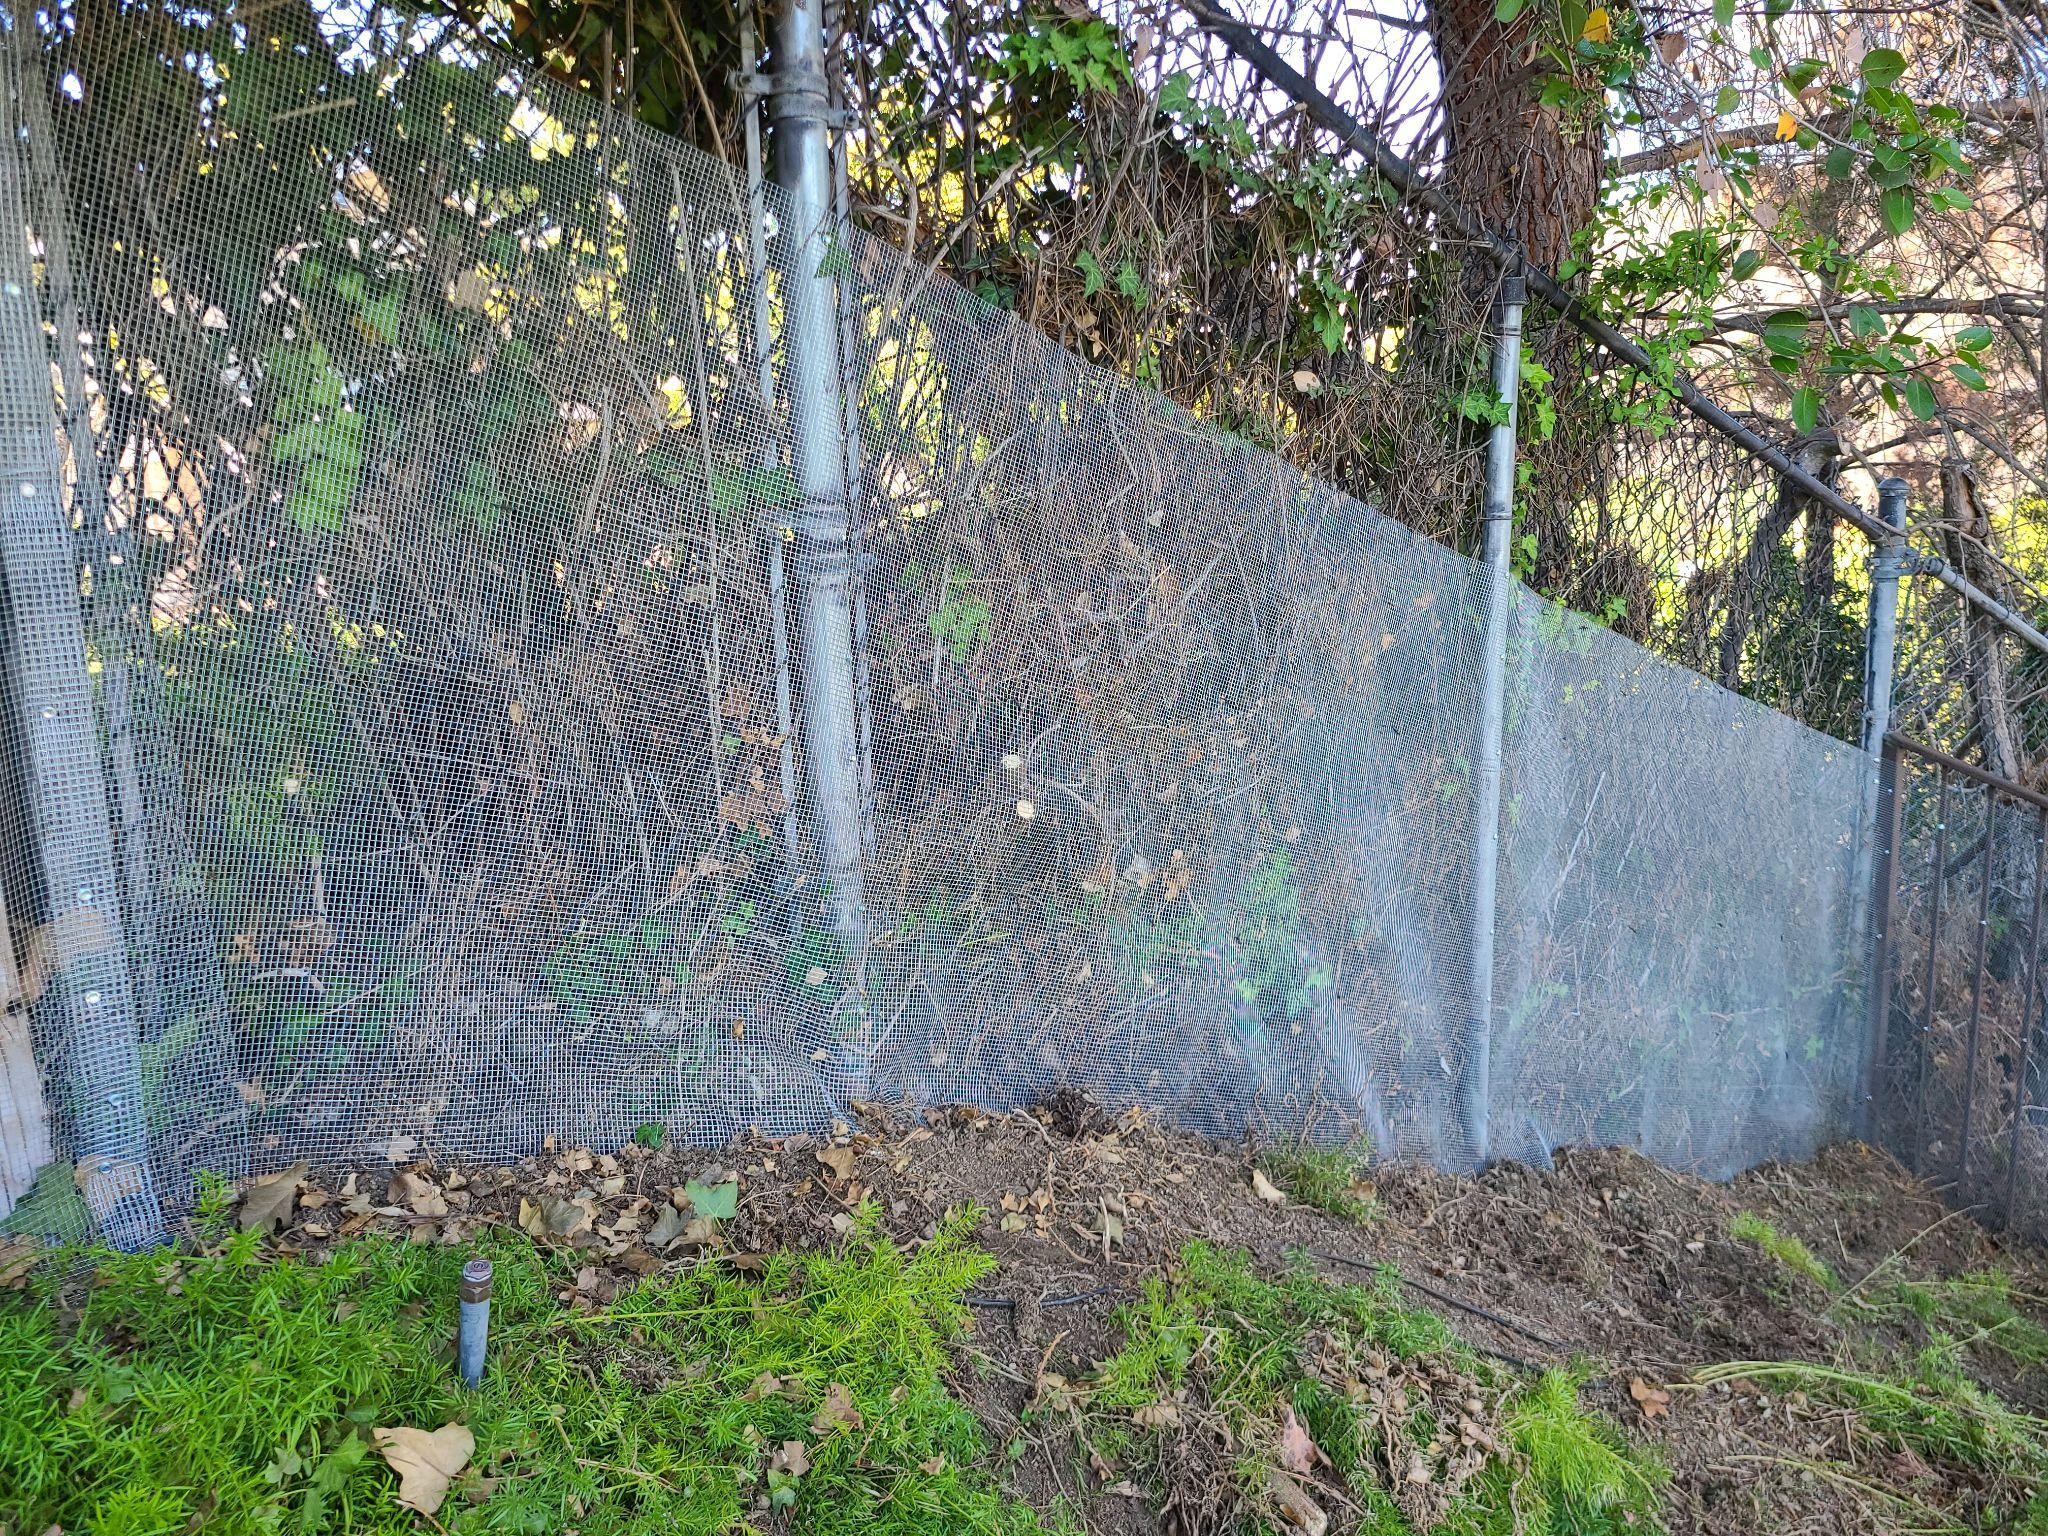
pixel 1526 169
pixel 1817 456
pixel 1966 541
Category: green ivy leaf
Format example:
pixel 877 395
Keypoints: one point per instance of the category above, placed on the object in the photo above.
pixel 1724 13
pixel 1505 11
pixel 1746 265
pixel 1897 208
pixel 1841 161
pixel 718 1201
pixel 1727 100
pixel 1975 338
pixel 1090 269
pixel 1970 377
pixel 1920 398
pixel 1883 67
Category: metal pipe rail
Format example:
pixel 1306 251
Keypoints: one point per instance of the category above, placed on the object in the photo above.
pixel 1407 179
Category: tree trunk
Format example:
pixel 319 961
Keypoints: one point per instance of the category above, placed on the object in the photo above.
pixel 1966 541
pixel 1526 169
pixel 1817 456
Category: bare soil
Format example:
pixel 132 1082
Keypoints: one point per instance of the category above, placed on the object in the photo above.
pixel 1608 1260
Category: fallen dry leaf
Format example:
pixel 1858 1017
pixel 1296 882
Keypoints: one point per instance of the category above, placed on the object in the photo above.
pixel 839 1160
pixel 1156 1415
pixel 266 1202
pixel 668 1226
pixel 1266 1189
pixel 792 1459
pixel 1654 1401
pixel 426 1461
pixel 836 1410
pixel 1298 1452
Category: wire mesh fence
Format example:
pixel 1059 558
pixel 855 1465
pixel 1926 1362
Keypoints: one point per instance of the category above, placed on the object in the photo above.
pixel 412 556
pixel 1962 1090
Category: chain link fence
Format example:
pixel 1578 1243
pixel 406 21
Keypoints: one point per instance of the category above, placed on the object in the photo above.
pixel 409 548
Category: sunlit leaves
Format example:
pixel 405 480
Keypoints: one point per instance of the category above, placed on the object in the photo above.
pixel 1086 53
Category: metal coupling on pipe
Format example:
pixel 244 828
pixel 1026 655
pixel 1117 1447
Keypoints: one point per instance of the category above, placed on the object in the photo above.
pixel 1889 565
pixel 474 1328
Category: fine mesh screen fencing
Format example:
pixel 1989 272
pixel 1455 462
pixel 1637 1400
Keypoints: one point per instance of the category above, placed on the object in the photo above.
pixel 407 624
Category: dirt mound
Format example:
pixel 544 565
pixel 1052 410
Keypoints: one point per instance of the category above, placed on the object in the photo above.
pixel 1735 1329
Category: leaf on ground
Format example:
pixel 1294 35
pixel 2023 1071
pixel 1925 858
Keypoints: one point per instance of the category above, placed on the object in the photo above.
pixel 1906 1466
pixel 18 1257
pixel 717 1201
pixel 564 1219
pixel 266 1202
pixel 668 1226
pixel 792 1459
pixel 836 1411
pixel 426 1461
pixel 1654 1401
pixel 839 1160
pixel 1156 1415
pixel 1298 1452
pixel 1265 1188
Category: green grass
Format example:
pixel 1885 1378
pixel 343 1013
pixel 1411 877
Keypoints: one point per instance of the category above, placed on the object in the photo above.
pixel 1928 1405
pixel 154 1395
pixel 1785 1248
pixel 1977 1312
pixel 1248 1350
pixel 1330 1179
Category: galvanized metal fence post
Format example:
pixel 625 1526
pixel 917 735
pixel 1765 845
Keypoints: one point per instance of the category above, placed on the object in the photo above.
pixel 56 730
pixel 823 557
pixel 1880 649
pixel 1475 1087
pixel 1872 883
